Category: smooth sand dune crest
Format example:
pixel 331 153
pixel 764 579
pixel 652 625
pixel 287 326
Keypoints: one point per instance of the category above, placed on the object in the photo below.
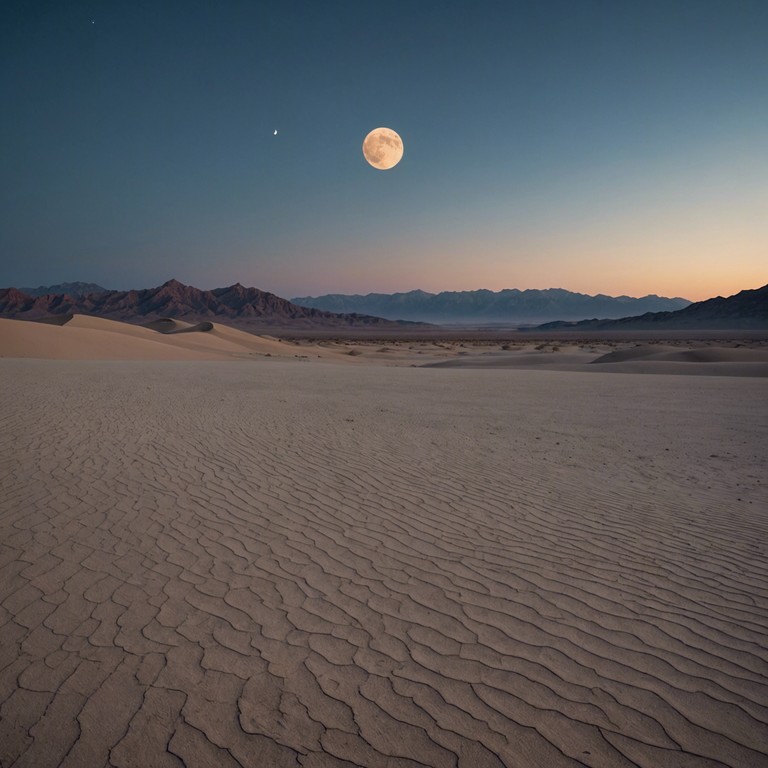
pixel 709 354
pixel 202 327
pixel 167 325
pixel 55 319
pixel 705 361
pixel 89 339
pixel 93 338
pixel 170 326
pixel 389 567
pixel 244 345
pixel 111 326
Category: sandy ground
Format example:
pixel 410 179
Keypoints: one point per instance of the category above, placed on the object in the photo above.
pixel 275 563
pixel 91 338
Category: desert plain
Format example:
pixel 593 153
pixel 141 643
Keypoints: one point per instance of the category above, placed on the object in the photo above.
pixel 221 549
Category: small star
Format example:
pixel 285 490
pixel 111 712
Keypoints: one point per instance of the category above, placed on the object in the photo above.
pixel 275 132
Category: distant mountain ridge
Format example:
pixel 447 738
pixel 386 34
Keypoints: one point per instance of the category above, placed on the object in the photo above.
pixel 508 306
pixel 246 306
pixel 71 289
pixel 747 310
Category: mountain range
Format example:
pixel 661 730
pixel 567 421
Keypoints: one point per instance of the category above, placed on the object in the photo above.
pixel 256 309
pixel 72 289
pixel 235 304
pixel 508 307
pixel 747 310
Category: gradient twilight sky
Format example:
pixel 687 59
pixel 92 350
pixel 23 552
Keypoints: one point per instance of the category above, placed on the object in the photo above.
pixel 614 146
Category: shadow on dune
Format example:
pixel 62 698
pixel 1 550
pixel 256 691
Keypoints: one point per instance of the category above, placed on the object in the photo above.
pixel 55 319
pixel 203 327
pixel 654 353
pixel 168 325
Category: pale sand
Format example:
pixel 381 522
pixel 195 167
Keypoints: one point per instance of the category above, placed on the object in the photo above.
pixel 92 338
pixel 275 564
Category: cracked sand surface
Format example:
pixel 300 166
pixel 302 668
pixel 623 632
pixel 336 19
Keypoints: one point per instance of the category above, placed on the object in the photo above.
pixel 233 564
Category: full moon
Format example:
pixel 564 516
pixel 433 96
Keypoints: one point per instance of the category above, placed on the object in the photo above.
pixel 383 148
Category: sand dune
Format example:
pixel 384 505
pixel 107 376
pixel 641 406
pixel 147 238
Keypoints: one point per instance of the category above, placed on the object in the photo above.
pixel 202 327
pixel 55 319
pixel 706 361
pixel 644 359
pixel 170 325
pixel 86 338
pixel 709 354
pixel 248 565
pixel 167 325
pixel 93 338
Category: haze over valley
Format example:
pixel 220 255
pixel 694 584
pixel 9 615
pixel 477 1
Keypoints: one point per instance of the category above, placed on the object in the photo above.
pixel 507 307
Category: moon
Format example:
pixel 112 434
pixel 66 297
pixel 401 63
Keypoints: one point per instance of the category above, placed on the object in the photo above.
pixel 383 148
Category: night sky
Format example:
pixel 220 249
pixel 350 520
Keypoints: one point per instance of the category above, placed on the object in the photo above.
pixel 599 146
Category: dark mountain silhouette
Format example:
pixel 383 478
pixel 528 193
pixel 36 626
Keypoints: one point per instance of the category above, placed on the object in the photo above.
pixel 744 310
pixel 508 306
pixel 236 305
pixel 71 289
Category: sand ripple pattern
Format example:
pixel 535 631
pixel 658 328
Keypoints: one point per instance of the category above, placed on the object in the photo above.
pixel 279 564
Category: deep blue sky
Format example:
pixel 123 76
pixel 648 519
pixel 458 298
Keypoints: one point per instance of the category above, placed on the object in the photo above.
pixel 617 147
